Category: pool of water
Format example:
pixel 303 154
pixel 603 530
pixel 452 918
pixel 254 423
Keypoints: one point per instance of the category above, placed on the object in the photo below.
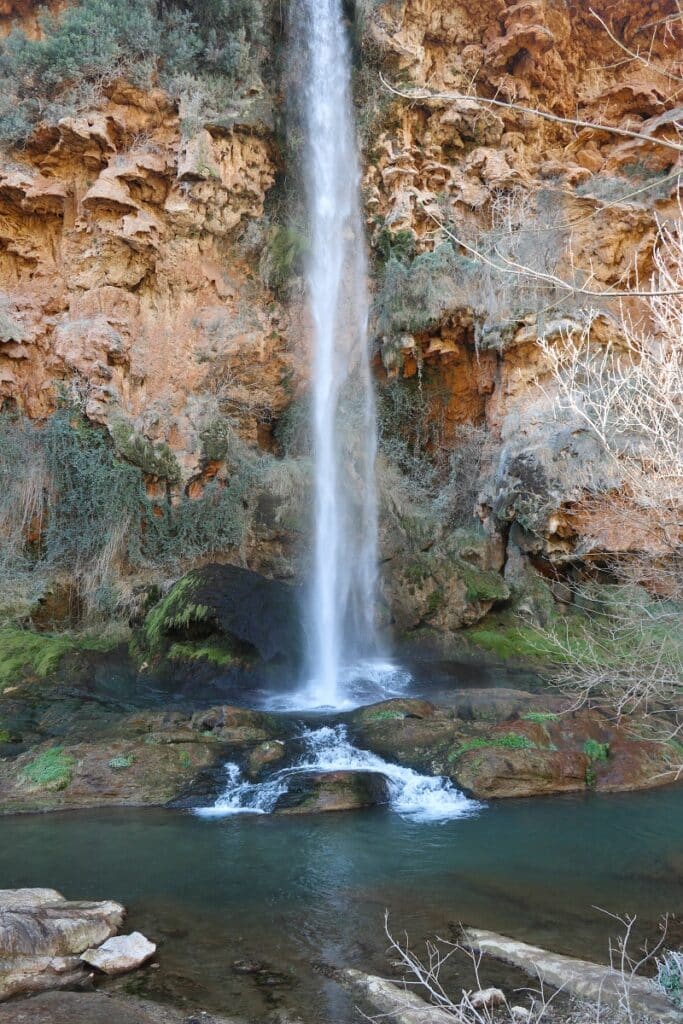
pixel 296 893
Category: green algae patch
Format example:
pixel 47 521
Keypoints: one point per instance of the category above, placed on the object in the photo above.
pixel 508 741
pixel 25 653
pixel 53 770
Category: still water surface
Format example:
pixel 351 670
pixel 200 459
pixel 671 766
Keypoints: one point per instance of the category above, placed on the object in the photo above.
pixel 297 892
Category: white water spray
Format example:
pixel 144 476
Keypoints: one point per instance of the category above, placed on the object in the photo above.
pixel 344 426
pixel 413 796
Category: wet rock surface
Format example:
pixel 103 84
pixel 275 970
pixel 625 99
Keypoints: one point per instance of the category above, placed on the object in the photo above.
pixel 508 743
pixel 316 792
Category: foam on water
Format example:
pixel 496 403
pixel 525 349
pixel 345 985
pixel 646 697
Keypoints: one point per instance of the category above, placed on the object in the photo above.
pixel 363 682
pixel 328 749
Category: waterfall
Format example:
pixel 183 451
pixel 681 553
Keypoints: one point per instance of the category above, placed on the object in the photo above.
pixel 342 601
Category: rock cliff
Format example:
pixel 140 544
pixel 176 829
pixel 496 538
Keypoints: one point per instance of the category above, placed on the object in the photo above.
pixel 137 284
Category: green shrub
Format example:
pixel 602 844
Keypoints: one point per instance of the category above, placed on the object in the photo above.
pixel 540 717
pixel 53 769
pixel 155 460
pixel 595 751
pixel 93 41
pixel 121 762
pixel 394 245
pixel 670 975
pixel 218 652
pixel 89 512
pixel 419 294
pixel 283 258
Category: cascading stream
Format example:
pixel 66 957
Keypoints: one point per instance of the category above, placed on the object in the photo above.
pixel 342 604
pixel 412 795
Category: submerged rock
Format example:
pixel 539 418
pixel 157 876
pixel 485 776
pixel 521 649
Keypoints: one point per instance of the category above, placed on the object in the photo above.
pixel 120 954
pixel 313 792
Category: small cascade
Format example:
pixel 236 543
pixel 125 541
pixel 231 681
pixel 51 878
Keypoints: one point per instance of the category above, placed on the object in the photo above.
pixel 328 749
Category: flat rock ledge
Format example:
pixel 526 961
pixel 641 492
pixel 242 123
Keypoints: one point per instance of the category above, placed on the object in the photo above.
pixel 581 978
pixel 44 938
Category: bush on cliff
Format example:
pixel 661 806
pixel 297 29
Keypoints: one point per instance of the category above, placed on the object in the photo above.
pixel 93 42
pixel 70 505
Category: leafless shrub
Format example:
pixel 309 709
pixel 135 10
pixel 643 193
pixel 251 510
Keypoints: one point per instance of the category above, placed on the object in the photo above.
pixel 423 973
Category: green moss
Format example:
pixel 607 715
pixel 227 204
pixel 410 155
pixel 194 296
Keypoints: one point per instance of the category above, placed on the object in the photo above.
pixel 540 717
pixel 175 611
pixel 385 716
pixel 508 741
pixel 218 652
pixel 23 652
pixel 155 460
pixel 596 751
pixel 185 759
pixel 481 584
pixel 53 769
pixel 5 736
pixel 435 601
pixel 121 762
pixel 507 639
pixel 416 572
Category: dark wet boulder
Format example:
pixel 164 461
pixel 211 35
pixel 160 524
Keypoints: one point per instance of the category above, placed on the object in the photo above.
pixel 314 792
pixel 225 614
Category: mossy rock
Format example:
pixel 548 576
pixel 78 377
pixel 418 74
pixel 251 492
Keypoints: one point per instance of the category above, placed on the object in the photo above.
pixel 221 612
pixel 316 792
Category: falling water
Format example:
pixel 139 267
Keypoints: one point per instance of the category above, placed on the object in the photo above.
pixel 344 427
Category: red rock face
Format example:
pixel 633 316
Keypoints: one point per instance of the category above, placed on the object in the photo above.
pixel 129 255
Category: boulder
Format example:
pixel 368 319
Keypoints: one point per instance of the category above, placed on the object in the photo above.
pixel 264 754
pixel 313 792
pixel 499 772
pixel 42 935
pixel 41 922
pixel 120 954
pixel 261 614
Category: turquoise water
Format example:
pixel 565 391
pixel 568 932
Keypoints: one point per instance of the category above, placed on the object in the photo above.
pixel 300 891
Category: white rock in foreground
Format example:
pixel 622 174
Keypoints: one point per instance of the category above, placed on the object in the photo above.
pixel 394 1003
pixel 486 997
pixel 120 954
pixel 595 983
